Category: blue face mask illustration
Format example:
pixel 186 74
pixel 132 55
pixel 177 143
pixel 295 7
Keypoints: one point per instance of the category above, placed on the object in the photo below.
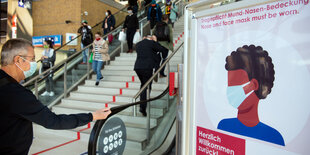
pixel 33 67
pixel 236 95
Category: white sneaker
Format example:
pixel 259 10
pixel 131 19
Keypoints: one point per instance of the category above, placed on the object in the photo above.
pixel 45 93
pixel 51 93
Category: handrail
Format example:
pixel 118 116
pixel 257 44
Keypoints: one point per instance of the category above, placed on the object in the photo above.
pixel 92 27
pixel 94 135
pixel 60 64
pixel 158 70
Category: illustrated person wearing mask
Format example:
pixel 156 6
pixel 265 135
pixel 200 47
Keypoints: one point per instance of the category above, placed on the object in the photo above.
pixel 48 59
pixel 108 22
pixel 20 107
pixel 100 55
pixel 131 25
pixel 250 78
pixel 87 38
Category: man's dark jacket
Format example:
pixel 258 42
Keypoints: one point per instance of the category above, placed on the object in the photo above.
pixel 147 54
pixel 19 108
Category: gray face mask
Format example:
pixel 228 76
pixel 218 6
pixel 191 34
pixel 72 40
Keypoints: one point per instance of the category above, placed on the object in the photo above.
pixel 129 11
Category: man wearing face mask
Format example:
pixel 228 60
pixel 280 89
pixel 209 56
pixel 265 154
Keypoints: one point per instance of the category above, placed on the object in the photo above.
pixel 250 78
pixel 108 22
pixel 131 25
pixel 19 107
pixel 87 38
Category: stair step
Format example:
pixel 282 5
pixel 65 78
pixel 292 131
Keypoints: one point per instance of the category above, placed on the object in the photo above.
pixel 93 106
pixel 131 120
pixel 112 91
pixel 131 85
pixel 103 97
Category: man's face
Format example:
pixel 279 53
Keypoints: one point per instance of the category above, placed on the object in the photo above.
pixel 240 77
pixel 23 61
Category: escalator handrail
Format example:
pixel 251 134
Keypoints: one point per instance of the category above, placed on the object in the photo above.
pixel 62 63
pixel 94 135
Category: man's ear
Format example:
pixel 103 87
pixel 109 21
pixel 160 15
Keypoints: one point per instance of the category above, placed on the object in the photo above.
pixel 255 84
pixel 16 59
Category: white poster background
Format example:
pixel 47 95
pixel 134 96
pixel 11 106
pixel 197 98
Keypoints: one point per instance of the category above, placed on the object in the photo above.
pixel 69 37
pixel 287 41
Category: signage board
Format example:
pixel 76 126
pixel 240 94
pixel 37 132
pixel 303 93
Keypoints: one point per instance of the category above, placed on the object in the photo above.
pixel 37 41
pixel 249 78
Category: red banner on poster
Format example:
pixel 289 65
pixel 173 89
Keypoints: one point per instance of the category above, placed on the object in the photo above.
pixel 210 142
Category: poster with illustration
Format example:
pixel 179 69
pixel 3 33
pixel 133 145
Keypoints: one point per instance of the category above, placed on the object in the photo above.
pixel 253 79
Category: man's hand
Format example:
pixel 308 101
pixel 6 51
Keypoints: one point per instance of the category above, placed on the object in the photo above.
pixel 101 114
pixel 43 57
pixel 154 38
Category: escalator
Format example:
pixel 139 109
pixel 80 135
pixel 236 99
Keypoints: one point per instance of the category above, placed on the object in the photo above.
pixel 78 94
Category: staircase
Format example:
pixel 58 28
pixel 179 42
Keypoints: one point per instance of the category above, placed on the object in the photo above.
pixel 118 87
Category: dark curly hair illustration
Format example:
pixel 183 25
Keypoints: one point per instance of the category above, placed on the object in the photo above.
pixel 257 63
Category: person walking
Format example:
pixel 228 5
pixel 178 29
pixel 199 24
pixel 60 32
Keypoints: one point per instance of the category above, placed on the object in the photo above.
pixel 108 22
pixel 134 5
pixel 168 9
pixel 154 14
pixel 164 34
pixel 20 107
pixel 87 38
pixel 131 25
pixel 48 60
pixel 174 14
pixel 100 55
pixel 147 60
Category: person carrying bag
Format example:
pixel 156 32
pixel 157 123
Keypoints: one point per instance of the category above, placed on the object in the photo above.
pixel 100 55
pixel 48 59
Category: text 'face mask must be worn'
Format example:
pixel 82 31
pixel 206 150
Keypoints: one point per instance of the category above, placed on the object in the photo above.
pixel 236 94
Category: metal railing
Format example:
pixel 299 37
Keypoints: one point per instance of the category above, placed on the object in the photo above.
pixel 61 69
pixel 147 86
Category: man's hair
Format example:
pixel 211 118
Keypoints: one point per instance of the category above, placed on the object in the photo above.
pixel 49 43
pixel 164 17
pixel 99 33
pixel 256 62
pixel 129 8
pixel 109 12
pixel 12 48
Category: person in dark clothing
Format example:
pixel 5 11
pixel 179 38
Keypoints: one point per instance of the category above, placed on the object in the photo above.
pixel 19 107
pixel 132 25
pixel 164 34
pixel 146 3
pixel 87 38
pixel 134 5
pixel 108 22
pixel 147 60
pixel 154 14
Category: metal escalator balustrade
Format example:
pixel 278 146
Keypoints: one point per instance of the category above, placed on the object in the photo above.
pixel 69 73
pixel 132 147
pixel 94 138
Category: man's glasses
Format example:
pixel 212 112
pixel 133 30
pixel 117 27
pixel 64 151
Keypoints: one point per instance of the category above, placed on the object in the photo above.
pixel 33 57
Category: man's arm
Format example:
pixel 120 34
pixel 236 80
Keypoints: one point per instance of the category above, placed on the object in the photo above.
pixel 28 107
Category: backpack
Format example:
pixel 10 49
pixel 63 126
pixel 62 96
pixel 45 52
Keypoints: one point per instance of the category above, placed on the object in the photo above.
pixel 168 10
pixel 153 11
pixel 162 31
